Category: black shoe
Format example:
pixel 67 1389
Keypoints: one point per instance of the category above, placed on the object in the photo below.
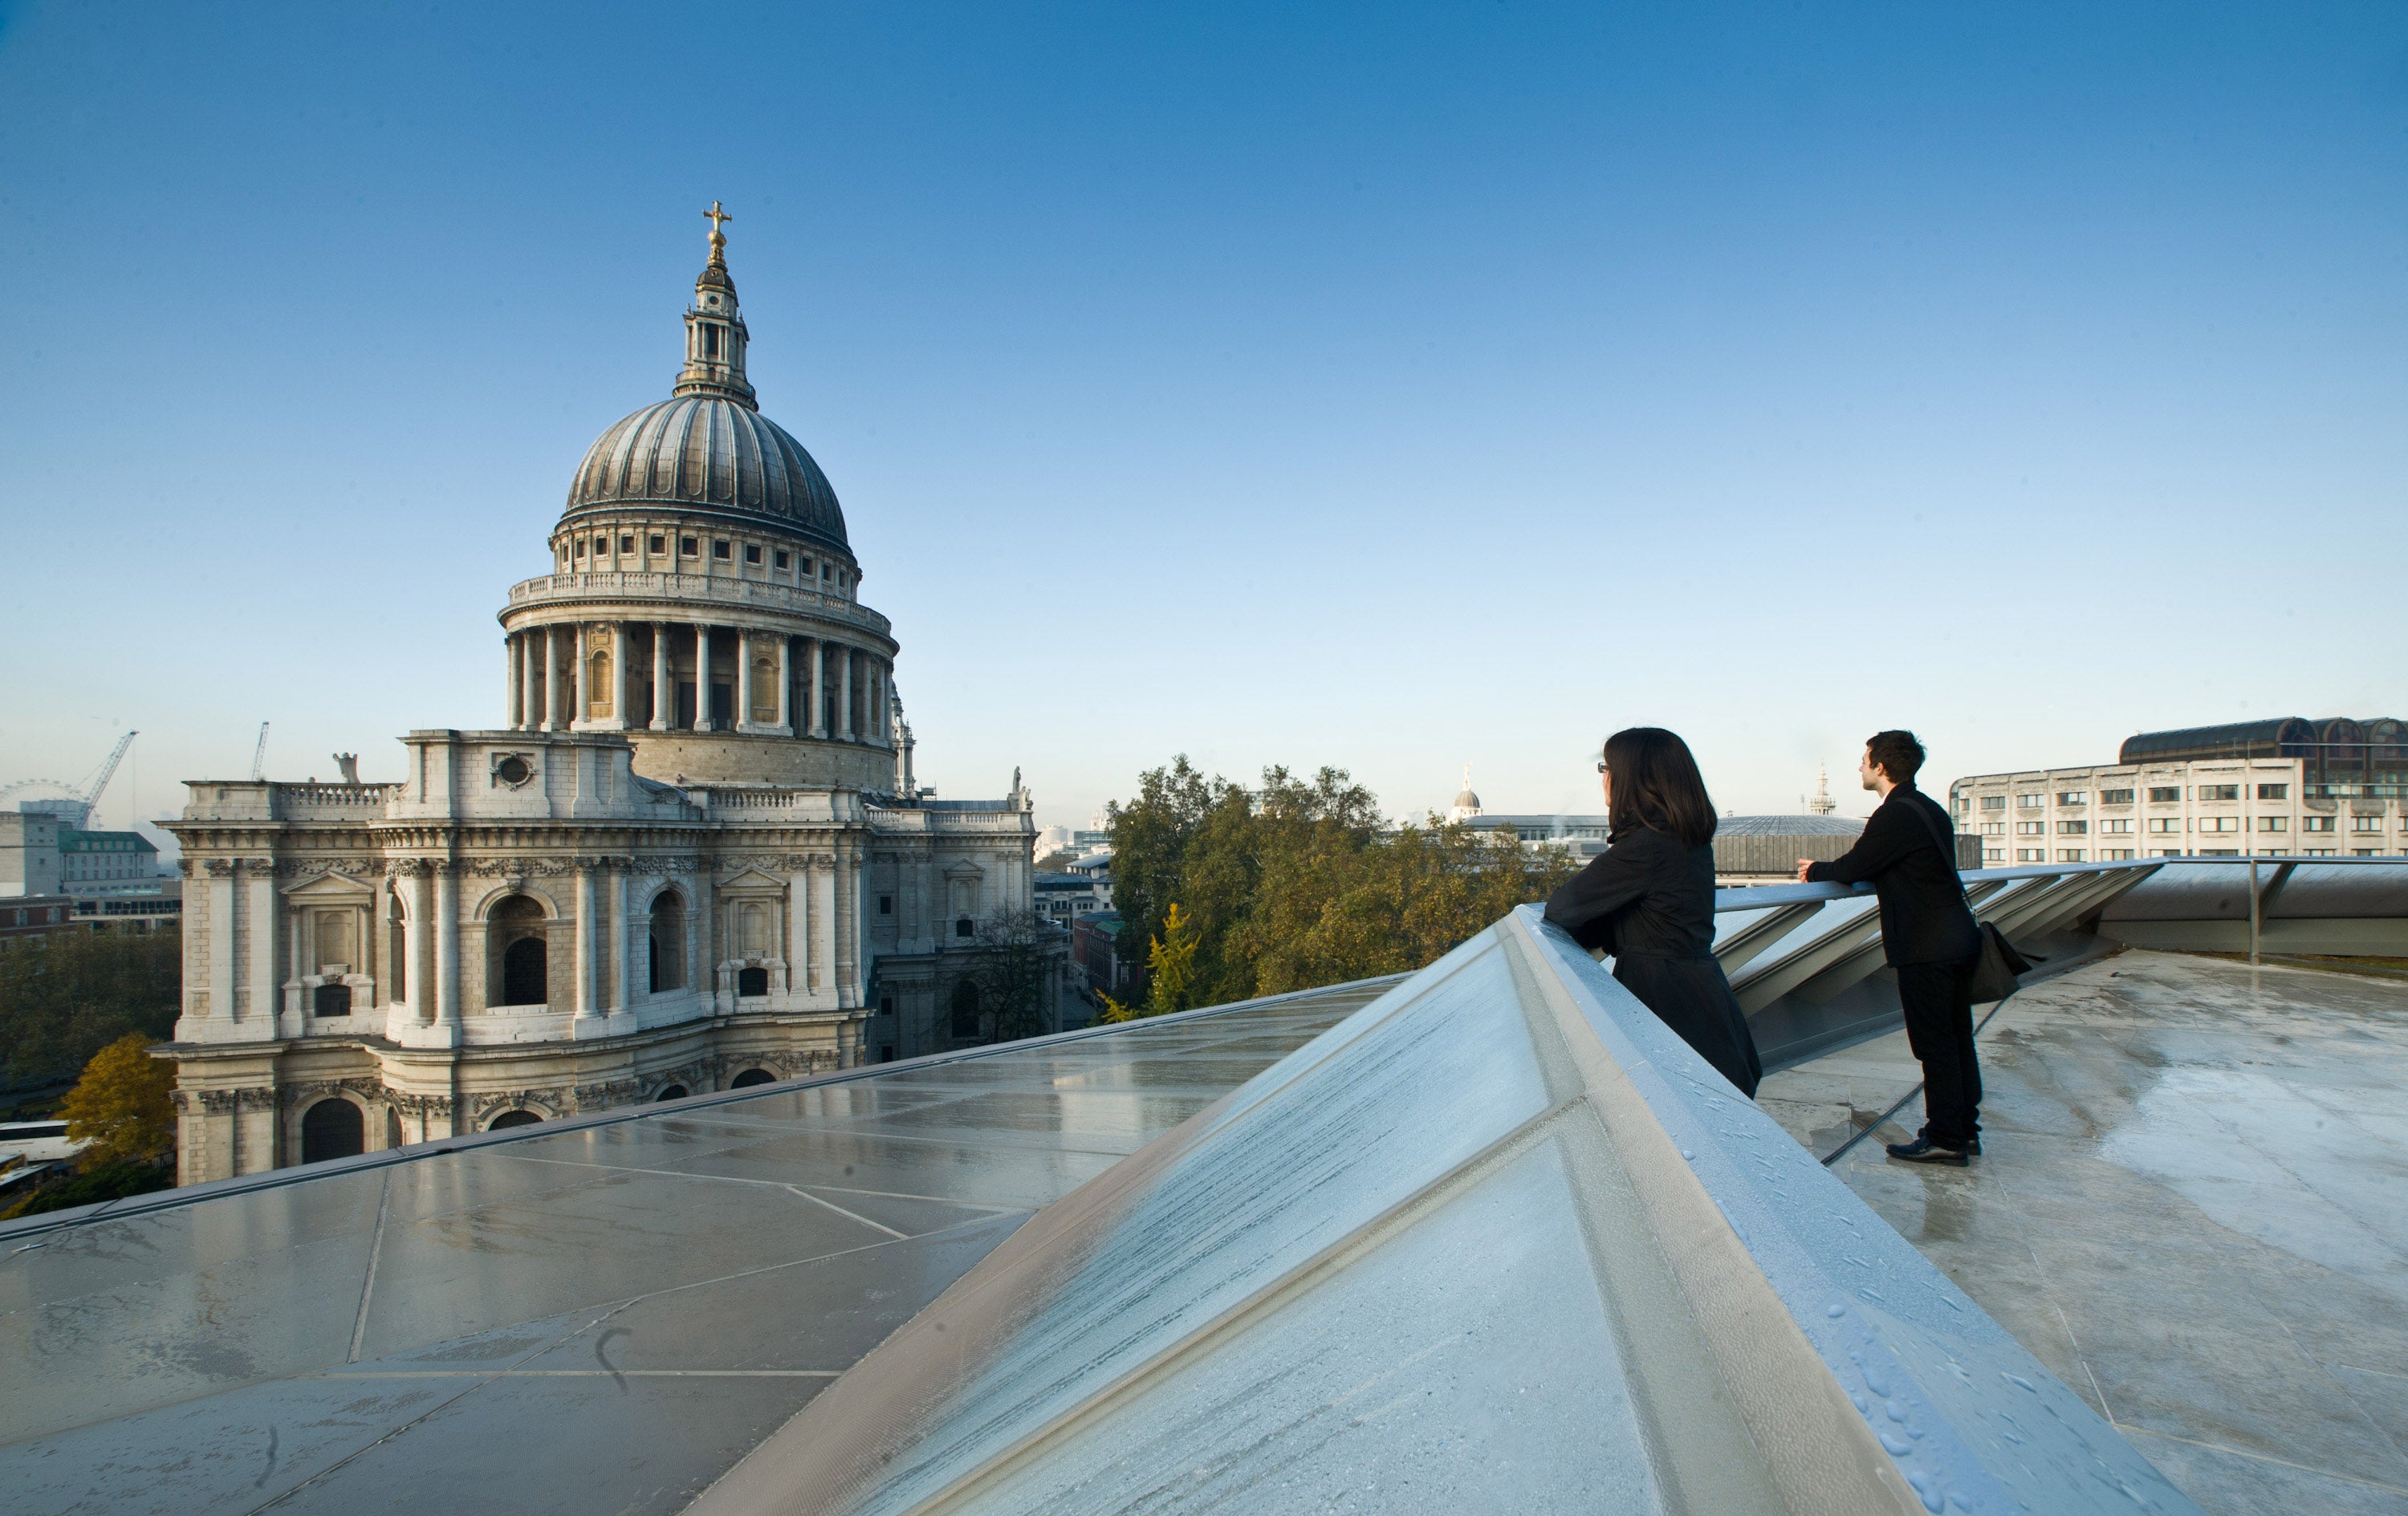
pixel 1925 1150
pixel 1973 1148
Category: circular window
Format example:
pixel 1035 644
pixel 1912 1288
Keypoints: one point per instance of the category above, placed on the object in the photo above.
pixel 513 770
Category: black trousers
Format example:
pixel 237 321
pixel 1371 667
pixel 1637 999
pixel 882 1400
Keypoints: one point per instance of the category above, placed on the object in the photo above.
pixel 1939 1029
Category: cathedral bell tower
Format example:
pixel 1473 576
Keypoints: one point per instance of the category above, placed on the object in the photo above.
pixel 714 329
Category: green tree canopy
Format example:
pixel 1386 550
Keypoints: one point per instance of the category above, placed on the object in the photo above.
pixel 1297 883
pixel 66 995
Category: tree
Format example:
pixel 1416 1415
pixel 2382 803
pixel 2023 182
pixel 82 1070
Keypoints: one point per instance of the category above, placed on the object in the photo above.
pixel 1011 973
pixel 121 1105
pixel 1295 884
pixel 66 995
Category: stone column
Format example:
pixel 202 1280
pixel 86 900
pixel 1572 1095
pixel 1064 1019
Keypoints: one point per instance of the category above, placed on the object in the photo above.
pixel 819 687
pixel 551 696
pixel 785 687
pixel 414 944
pixel 581 698
pixel 531 707
pixel 447 946
pixel 512 672
pixel 824 928
pixel 664 679
pixel 621 942
pixel 844 695
pixel 798 931
pixel 259 916
pixel 702 970
pixel 581 975
pixel 744 679
pixel 702 678
pixel 618 683
pixel 848 925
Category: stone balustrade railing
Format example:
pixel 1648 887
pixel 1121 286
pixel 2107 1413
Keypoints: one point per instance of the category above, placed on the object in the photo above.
pixel 690 588
pixel 291 802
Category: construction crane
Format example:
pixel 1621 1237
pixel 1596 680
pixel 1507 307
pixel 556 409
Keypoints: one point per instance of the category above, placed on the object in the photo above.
pixel 259 756
pixel 76 810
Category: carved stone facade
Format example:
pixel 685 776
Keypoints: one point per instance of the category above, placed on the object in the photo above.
pixel 694 856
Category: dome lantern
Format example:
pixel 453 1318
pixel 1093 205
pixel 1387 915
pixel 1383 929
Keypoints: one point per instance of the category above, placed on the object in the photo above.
pixel 714 328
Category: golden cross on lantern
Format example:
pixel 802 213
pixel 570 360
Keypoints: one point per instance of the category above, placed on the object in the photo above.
pixel 714 216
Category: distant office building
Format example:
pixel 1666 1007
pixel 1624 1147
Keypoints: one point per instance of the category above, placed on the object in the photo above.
pixel 99 863
pixel 35 915
pixel 1748 850
pixel 1097 870
pixel 1063 898
pixel 29 852
pixel 2271 789
pixel 152 909
pixel 1095 955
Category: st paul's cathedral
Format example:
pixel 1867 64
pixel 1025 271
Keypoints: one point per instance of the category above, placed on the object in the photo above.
pixel 693 857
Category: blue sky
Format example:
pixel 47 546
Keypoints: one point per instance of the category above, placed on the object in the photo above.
pixel 1384 386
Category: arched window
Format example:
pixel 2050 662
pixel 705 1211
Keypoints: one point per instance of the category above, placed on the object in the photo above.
pixel 965 1009
pixel 392 1128
pixel 750 982
pixel 515 950
pixel 667 942
pixel 397 951
pixel 751 1076
pixel 671 1091
pixel 597 685
pixel 512 1118
pixel 332 1129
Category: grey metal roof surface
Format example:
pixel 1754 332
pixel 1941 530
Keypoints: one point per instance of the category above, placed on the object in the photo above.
pixel 598 1317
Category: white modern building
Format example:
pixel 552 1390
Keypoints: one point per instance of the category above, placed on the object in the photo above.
pixel 2273 788
pixel 693 855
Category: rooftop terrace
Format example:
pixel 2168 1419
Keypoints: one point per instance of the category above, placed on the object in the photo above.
pixel 1487 1237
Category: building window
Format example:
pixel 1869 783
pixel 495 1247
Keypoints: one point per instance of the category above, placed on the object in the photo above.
pixel 580 546
pixel 2273 824
pixel 2031 802
pixel 825 574
pixel 886 905
pixel 2164 795
pixel 781 559
pixel 2073 797
pixel 2219 791
pixel 1993 802
pixel 752 553
pixel 1994 856
pixel 2219 824
pixel 2315 852
pixel 718 548
pixel 1994 829
pixel 2124 825
pixel 2273 791
pixel 2366 823
pixel 2031 828
pixel 2114 797
pixel 2316 823
pixel 689 547
pixel 2031 855
pixel 2165 852
pixel 807 568
pixel 2113 854
pixel 2165 824
pixel 2068 856
pixel 627 542
pixel 2072 829
pixel 965 927
pixel 656 543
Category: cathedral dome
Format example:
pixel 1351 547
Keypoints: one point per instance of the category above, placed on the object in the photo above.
pixel 710 452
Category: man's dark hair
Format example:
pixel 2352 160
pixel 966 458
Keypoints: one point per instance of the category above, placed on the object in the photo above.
pixel 1656 783
pixel 1898 754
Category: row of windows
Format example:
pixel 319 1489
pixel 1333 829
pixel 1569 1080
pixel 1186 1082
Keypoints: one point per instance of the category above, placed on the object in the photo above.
pixel 723 550
pixel 2160 794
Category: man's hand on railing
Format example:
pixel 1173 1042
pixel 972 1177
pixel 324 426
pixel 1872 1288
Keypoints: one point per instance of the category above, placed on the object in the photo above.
pixel 1803 864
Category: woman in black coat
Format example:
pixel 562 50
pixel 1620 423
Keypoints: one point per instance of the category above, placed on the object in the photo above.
pixel 1650 900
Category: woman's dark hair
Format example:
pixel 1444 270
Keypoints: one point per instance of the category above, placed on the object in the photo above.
pixel 1656 783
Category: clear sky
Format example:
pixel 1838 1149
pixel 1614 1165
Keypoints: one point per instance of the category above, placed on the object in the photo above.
pixel 1387 386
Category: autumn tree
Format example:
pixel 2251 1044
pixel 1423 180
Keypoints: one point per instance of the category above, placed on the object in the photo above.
pixel 121 1106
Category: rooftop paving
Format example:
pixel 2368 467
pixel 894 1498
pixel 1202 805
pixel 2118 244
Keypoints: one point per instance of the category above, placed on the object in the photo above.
pixel 2192 1206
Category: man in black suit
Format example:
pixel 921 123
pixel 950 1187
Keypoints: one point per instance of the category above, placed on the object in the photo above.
pixel 1908 849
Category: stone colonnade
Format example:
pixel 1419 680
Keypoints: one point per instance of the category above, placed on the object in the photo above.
pixel 576 676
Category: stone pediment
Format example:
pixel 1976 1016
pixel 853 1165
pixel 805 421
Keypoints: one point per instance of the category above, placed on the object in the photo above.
pixel 752 879
pixel 331 890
